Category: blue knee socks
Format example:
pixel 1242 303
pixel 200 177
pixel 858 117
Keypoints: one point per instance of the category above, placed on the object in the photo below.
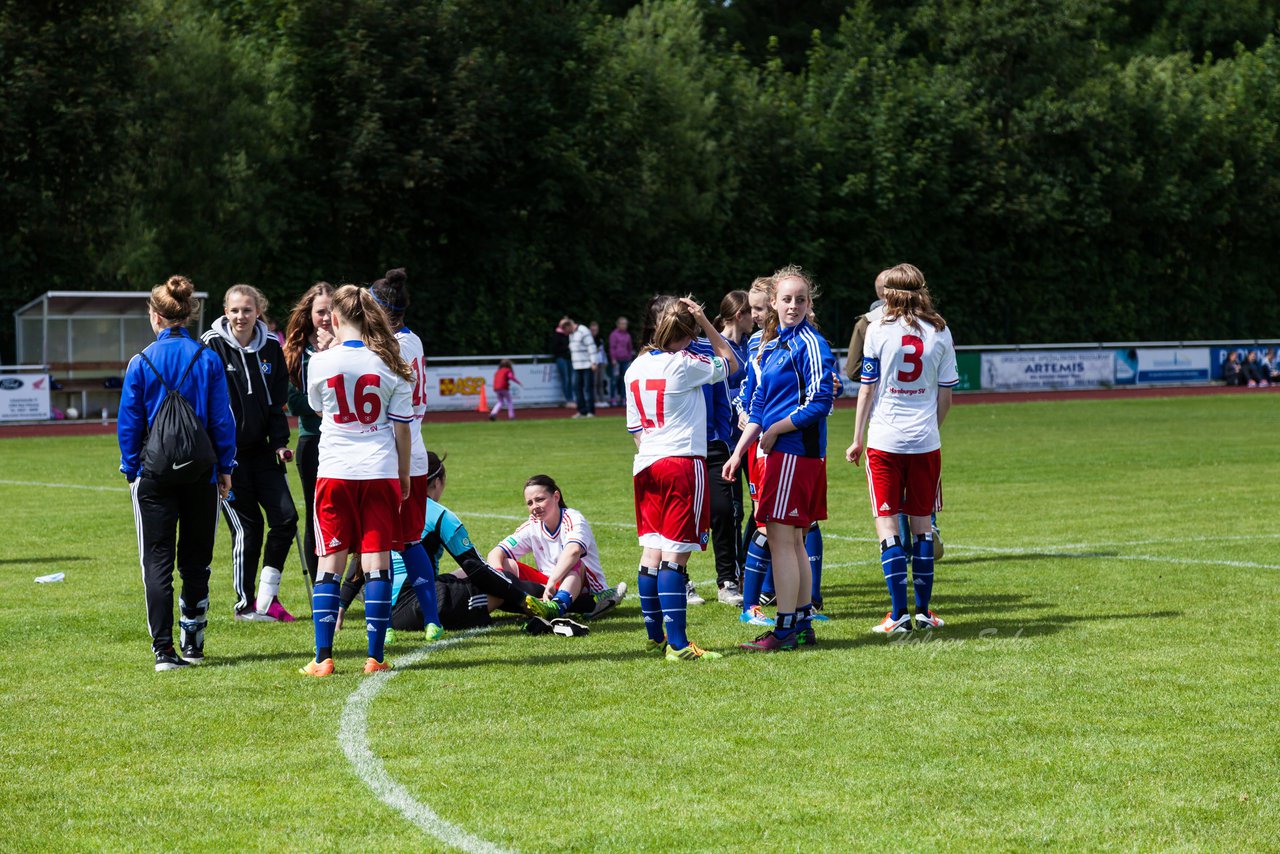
pixel 650 606
pixel 922 571
pixel 813 546
pixel 377 611
pixel 325 598
pixel 420 570
pixel 672 595
pixel 757 566
pixel 893 558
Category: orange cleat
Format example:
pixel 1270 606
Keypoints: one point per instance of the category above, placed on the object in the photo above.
pixel 318 668
pixel 372 665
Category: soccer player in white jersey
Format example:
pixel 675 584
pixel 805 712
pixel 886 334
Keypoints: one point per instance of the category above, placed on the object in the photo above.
pixel 566 557
pixel 364 392
pixel 908 371
pixel 667 416
pixel 391 293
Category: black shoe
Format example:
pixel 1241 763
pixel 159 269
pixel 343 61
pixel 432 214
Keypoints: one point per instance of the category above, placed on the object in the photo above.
pixel 565 627
pixel 193 654
pixel 170 660
pixel 536 626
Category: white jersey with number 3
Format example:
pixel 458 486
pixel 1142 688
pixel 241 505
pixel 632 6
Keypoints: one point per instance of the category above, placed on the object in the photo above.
pixel 908 364
pixel 411 351
pixel 359 397
pixel 665 404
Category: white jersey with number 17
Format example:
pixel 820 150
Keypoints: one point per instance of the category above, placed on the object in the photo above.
pixel 411 351
pixel 359 397
pixel 908 364
pixel 665 404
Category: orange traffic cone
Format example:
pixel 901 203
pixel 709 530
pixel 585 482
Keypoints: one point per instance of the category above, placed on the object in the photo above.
pixel 484 400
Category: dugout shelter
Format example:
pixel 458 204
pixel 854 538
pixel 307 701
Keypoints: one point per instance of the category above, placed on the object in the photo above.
pixel 85 339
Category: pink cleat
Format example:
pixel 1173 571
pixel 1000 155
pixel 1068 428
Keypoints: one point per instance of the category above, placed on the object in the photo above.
pixel 277 612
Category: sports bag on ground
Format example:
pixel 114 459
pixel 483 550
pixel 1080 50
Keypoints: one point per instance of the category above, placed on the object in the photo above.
pixel 177 449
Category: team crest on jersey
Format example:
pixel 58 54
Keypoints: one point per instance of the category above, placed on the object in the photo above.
pixel 266 367
pixel 466 543
pixel 706 535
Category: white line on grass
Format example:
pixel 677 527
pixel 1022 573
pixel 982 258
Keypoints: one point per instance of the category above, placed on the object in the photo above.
pixel 122 488
pixel 353 736
pixel 1052 551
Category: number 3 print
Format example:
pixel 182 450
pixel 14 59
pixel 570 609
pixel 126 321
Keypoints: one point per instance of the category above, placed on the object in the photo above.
pixel 912 359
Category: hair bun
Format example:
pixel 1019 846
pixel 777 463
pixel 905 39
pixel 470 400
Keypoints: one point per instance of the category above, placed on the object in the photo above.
pixel 180 288
pixel 396 277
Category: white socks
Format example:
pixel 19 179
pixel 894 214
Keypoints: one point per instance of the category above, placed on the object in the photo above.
pixel 268 587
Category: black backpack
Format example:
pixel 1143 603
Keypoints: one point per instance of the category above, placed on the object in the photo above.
pixel 177 450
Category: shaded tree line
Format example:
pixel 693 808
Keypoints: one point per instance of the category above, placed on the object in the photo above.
pixel 1075 170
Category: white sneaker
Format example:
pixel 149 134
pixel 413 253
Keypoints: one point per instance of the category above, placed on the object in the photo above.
pixel 890 626
pixel 729 594
pixel 692 597
pixel 928 620
pixel 608 600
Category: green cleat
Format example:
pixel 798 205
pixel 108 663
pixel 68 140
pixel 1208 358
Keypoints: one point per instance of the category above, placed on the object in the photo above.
pixel 391 637
pixel 434 632
pixel 541 608
pixel 692 652
pixel 658 646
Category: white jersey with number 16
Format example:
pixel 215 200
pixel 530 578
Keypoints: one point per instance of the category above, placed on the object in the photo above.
pixel 909 364
pixel 359 397
pixel 665 404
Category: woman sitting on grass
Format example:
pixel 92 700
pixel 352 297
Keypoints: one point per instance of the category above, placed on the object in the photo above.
pixel 566 557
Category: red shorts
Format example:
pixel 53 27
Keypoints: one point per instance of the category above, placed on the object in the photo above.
pixel 362 516
pixel 754 464
pixel 529 573
pixel 673 506
pixel 794 491
pixel 413 511
pixel 904 483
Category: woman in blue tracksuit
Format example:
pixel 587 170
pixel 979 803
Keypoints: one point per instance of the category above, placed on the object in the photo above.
pixel 788 413
pixel 160 510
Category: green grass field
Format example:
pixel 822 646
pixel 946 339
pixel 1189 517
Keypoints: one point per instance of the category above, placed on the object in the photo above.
pixel 1106 678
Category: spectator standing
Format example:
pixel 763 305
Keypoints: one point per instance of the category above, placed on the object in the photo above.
pixel 558 346
pixel 582 352
pixel 622 350
pixel 600 369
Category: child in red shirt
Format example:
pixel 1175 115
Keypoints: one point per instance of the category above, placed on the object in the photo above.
pixel 502 380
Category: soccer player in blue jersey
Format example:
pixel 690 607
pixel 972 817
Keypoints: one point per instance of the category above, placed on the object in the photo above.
pixel 788 413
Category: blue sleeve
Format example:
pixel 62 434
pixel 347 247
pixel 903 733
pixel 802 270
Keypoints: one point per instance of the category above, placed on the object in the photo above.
pixel 814 358
pixel 742 402
pixel 221 422
pixel 131 422
pixel 453 535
